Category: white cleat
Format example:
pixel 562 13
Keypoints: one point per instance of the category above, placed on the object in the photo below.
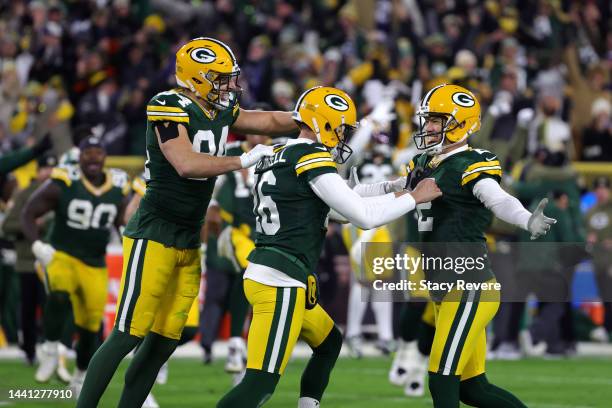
pixel 76 384
pixel 508 352
pixel 530 348
pixel 62 370
pixel 415 376
pixel 236 357
pixel 398 371
pixel 49 360
pixel 162 376
pixel 355 346
pixel 150 402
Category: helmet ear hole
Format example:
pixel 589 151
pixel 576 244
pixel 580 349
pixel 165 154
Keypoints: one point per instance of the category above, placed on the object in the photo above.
pixel 327 126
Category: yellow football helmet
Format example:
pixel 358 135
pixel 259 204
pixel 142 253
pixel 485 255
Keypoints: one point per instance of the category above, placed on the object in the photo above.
pixel 458 111
pixel 332 115
pixel 208 68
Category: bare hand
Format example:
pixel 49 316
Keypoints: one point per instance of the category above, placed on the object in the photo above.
pixel 427 190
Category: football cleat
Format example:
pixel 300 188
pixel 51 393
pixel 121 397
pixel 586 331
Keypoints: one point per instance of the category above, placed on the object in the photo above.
pixel 49 360
pixel 76 384
pixel 355 346
pixel 162 376
pixel 398 371
pixel 415 376
pixel 236 358
pixel 62 370
pixel 150 402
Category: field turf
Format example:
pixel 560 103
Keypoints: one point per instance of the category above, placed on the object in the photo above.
pixel 578 383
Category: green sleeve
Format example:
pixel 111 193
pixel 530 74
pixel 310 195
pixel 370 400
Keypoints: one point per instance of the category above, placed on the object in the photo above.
pixel 11 161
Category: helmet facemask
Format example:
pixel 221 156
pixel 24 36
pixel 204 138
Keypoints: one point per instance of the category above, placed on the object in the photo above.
pixel 342 151
pixel 225 91
pixel 433 142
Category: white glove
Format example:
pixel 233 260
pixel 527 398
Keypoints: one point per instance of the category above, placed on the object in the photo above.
pixel 43 252
pixel 397 185
pixel 255 154
pixel 383 113
pixel 538 223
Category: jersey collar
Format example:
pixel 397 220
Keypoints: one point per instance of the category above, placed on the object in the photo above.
pixel 98 191
pixel 441 157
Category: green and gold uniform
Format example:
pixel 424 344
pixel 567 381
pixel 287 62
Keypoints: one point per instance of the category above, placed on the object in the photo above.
pixel 290 229
pixel 461 317
pixel 161 275
pixel 80 233
pixel 236 204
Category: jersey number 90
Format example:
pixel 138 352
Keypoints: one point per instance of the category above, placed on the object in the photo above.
pixel 83 215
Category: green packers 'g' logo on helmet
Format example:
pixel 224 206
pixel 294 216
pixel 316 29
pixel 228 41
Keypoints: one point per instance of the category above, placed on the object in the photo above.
pixel 463 99
pixel 337 102
pixel 332 116
pixel 203 55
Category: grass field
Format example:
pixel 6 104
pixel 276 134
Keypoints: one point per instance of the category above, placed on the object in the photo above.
pixel 578 383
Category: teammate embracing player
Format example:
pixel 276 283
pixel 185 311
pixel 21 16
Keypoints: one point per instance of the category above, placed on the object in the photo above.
pixel 187 130
pixel 294 192
pixel 469 180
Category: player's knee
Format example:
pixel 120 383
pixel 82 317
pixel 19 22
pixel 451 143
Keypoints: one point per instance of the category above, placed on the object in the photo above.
pixel 472 390
pixel 332 344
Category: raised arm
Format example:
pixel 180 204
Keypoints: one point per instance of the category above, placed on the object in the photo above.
pixel 370 212
pixel 174 144
pixel 264 123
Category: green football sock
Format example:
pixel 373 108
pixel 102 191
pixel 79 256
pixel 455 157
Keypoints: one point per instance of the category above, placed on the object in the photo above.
pixel 56 311
pixel 140 376
pixel 103 365
pixel 410 319
pixel 238 307
pixel 425 338
pixel 444 390
pixel 85 347
pixel 318 370
pixel 252 392
pixel 479 392
pixel 188 334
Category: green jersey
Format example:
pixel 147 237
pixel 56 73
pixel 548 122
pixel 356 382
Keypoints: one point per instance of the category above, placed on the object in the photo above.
pixel 291 220
pixel 235 197
pixel 85 213
pixel 173 208
pixel 457 216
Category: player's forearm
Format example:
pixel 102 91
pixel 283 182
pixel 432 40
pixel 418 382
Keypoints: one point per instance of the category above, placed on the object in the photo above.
pixel 281 123
pixel 504 206
pixel 198 165
pixel 376 189
pixel 363 212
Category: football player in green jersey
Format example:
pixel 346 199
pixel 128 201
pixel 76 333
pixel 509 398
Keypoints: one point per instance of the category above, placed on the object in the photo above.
pixel 186 134
pixel 87 201
pixel 294 191
pixel 469 180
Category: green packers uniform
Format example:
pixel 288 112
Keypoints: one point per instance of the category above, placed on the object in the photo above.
pixel 236 205
pixel 161 275
pixel 290 229
pixel 80 232
pixel 461 317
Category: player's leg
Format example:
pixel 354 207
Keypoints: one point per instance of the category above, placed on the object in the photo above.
pixel 416 367
pixel 475 390
pixel 382 306
pixel 459 325
pixel 60 277
pixel 237 303
pixel 89 303
pixel 356 309
pixel 147 268
pixel 176 301
pixel 409 326
pixel 217 287
pixel 276 325
pixel 237 307
pixel 321 334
